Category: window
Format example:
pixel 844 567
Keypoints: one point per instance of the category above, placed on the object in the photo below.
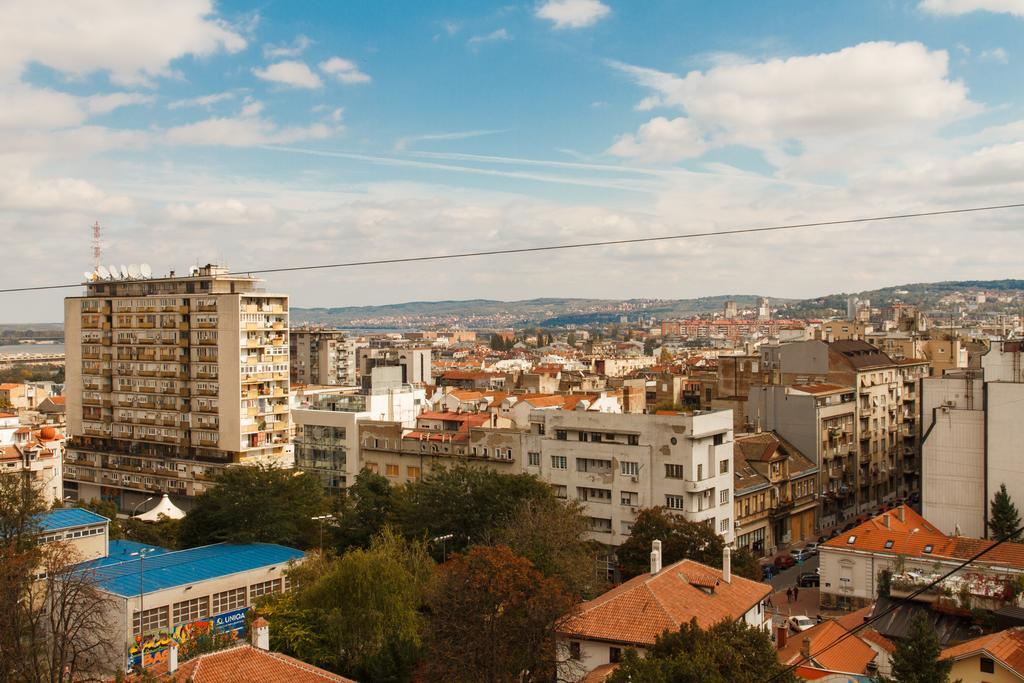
pixel 595 465
pixel 888 544
pixel 596 437
pixel 723 496
pixel 412 473
pixel 629 468
pixel 228 600
pixel 633 439
pixel 675 472
pixel 561 491
pixel 265 588
pixel 675 502
pixel 700 472
pixel 723 526
pixel 533 459
pixel 187 611
pixel 851 540
pixel 928 548
pixel 599 525
pixel 593 495
pixel 988 666
pixel 559 462
pixel 628 497
pixel 723 467
pixel 614 655
pixel 673 441
pixel 574 650
pixel 371 467
pixel 561 435
pixel 583 436
pixel 391 470
pixel 719 439
pixel 150 621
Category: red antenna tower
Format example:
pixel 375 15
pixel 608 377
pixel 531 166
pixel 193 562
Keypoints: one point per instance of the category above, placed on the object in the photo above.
pixel 97 246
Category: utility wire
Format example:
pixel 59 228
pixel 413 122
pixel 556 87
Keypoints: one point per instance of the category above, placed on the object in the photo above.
pixel 584 245
pixel 804 659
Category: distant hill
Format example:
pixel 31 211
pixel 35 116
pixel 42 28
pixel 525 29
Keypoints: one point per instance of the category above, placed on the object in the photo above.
pixel 556 312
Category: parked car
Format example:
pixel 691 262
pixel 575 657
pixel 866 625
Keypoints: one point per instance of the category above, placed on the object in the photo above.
pixel 850 526
pixel 808 580
pixel 822 539
pixel 800 622
pixel 800 554
pixel 784 562
pixel 915 497
pixel 812 547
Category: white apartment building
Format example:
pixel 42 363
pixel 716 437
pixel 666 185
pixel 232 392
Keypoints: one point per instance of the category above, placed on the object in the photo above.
pixel 971 435
pixel 616 464
pixel 169 380
pixel 320 356
pixel 36 453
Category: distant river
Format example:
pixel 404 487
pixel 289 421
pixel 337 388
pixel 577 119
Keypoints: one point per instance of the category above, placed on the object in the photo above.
pixel 41 349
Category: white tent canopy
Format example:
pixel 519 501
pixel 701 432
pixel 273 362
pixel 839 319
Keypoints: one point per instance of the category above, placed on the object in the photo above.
pixel 165 507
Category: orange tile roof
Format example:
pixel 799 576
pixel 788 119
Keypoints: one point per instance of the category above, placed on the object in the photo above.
pixel 1006 646
pixel 640 610
pixel 852 655
pixel 871 635
pixel 854 619
pixel 247 663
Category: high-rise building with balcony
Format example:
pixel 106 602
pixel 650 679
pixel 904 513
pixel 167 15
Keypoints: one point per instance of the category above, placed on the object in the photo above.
pixel 170 380
pixel 320 356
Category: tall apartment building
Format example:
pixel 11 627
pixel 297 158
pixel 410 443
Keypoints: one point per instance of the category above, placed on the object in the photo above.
pixel 415 363
pixel 972 435
pixel 326 357
pixel 616 464
pixel 170 380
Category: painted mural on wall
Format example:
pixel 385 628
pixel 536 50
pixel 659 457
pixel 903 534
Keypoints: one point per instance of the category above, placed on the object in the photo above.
pixel 153 648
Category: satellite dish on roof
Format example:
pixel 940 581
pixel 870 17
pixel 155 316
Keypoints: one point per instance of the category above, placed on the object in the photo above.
pixel 133 271
pixel 103 272
pixel 88 276
pixel 124 271
pixel 145 270
pixel 115 273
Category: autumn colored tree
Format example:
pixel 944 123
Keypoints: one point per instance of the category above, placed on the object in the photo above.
pixel 680 539
pixel 729 652
pixel 493 619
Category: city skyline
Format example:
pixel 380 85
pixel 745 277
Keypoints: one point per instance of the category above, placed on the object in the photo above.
pixel 276 135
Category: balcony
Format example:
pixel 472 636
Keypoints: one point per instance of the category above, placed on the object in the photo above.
pixel 702 485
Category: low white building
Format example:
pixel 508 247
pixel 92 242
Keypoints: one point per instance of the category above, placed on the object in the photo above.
pixel 633 615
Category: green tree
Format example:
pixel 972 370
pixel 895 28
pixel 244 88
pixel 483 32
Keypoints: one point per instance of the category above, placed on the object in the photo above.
pixel 358 614
pixel 746 565
pixel 1004 519
pixel 649 345
pixel 729 652
pixel 467 502
pixel 257 504
pixel 553 536
pixel 571 339
pixel 164 532
pixel 680 539
pixel 365 510
pixel 493 619
pixel 916 659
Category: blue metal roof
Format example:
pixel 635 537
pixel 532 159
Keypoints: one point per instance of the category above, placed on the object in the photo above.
pixel 65 518
pixel 181 567
pixel 120 551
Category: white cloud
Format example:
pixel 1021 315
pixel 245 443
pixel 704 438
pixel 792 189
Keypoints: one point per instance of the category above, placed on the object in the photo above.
pixel 298 46
pixel 573 13
pixel 134 42
pixel 104 104
pixel 202 100
pixel 871 89
pixel 996 54
pixel 661 140
pixel 493 36
pixel 28 107
pixel 290 73
pixel 957 7
pixel 344 70
pixel 403 143
pixel 244 131
pixel 222 212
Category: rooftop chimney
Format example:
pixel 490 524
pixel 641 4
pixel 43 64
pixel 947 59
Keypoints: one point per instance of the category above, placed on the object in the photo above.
pixel 172 657
pixel 805 648
pixel 727 564
pixel 261 634
pixel 655 557
pixel 780 636
pixel 899 513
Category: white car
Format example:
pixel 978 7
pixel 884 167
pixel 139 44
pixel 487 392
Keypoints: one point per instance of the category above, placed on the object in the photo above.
pixel 800 622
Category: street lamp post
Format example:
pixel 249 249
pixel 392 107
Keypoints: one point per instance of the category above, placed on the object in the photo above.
pixel 443 540
pixel 136 508
pixel 142 553
pixel 321 518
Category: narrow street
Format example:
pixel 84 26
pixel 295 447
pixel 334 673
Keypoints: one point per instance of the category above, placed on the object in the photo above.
pixel 807 598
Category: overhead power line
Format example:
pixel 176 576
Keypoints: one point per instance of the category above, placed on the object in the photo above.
pixel 905 600
pixel 585 245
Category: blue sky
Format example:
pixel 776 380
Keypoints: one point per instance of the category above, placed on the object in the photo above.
pixel 285 133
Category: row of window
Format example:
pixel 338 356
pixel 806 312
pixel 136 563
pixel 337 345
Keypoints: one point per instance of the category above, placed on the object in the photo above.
pixel 68 535
pixel 411 472
pixel 184 612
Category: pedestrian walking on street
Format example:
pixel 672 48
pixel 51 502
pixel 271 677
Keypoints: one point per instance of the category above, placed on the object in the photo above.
pixel 796 593
pixel 789 595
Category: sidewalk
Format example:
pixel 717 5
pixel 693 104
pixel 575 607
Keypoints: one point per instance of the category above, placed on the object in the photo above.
pixel 806 604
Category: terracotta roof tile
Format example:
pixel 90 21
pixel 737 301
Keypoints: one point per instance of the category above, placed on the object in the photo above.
pixel 852 655
pixel 1005 646
pixel 641 609
pixel 247 663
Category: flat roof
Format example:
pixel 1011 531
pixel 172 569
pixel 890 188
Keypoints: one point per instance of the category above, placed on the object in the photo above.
pixel 66 518
pixel 182 567
pixel 120 551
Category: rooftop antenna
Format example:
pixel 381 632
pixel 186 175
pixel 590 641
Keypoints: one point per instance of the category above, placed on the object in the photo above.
pixel 97 246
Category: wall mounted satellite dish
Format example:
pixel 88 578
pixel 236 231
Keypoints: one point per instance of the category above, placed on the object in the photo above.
pixel 145 270
pixel 88 276
pixel 115 272
pixel 133 271
pixel 124 272
pixel 103 272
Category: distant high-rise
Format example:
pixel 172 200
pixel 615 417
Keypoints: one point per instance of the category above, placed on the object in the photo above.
pixel 764 309
pixel 729 310
pixel 321 356
pixel 170 380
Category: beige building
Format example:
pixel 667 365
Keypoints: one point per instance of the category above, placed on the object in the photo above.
pixel 322 357
pixel 39 454
pixel 615 465
pixel 995 658
pixel 169 380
